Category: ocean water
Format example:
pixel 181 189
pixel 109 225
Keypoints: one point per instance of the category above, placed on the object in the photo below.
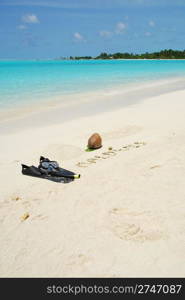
pixel 30 82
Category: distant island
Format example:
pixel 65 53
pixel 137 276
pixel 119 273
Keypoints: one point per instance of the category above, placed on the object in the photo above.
pixel 163 54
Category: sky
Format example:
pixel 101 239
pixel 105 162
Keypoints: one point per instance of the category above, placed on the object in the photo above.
pixel 45 29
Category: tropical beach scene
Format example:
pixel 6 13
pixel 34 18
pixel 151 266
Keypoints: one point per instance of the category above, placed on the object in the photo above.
pixel 92 138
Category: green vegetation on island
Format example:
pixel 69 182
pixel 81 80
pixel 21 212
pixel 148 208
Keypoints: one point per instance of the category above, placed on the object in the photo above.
pixel 163 54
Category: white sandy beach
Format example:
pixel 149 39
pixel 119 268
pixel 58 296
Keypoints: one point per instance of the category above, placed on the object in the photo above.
pixel 125 216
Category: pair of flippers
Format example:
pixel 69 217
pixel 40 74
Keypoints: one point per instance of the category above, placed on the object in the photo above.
pixel 50 170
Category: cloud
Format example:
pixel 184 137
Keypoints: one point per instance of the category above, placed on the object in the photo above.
pixel 105 33
pixel 30 19
pixel 151 23
pixel 120 28
pixel 78 37
pixel 22 27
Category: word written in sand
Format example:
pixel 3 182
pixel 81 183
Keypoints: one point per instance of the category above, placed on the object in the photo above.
pixel 109 153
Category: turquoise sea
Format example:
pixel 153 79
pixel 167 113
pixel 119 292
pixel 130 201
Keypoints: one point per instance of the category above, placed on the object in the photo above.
pixel 28 82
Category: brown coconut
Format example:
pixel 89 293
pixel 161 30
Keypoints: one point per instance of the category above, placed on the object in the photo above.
pixel 95 141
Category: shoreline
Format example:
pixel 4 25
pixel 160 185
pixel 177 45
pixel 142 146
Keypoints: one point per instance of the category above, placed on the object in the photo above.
pixel 56 59
pixel 75 106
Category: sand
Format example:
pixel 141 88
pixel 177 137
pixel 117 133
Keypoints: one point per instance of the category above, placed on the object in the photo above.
pixel 124 217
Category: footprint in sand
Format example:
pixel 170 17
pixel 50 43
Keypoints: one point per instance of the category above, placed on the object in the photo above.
pixel 111 152
pixel 76 262
pixel 135 226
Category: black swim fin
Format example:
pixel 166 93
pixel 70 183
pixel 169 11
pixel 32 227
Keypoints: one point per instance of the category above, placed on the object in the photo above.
pixel 58 172
pixel 32 171
pixel 59 176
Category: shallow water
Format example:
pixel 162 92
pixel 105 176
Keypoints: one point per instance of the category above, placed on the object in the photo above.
pixel 31 82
